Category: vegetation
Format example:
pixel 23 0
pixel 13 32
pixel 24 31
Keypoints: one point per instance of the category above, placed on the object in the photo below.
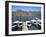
pixel 25 13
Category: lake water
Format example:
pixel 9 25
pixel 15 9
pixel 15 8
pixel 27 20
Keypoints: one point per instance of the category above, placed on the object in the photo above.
pixel 23 18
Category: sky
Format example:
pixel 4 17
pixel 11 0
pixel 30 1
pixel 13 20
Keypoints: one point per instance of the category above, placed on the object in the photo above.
pixel 28 8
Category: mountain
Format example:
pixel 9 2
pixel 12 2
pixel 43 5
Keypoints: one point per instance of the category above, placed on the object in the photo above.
pixel 21 13
pixel 25 13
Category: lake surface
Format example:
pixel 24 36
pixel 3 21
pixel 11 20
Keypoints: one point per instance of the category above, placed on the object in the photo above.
pixel 23 18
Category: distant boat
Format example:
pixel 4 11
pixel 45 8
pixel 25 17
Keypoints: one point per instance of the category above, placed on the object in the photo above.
pixel 16 21
pixel 36 18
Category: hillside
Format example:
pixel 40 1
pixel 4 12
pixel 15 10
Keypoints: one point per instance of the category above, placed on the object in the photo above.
pixel 22 13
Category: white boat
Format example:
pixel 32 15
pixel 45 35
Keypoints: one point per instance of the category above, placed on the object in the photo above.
pixel 16 21
pixel 33 21
pixel 28 23
pixel 20 24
